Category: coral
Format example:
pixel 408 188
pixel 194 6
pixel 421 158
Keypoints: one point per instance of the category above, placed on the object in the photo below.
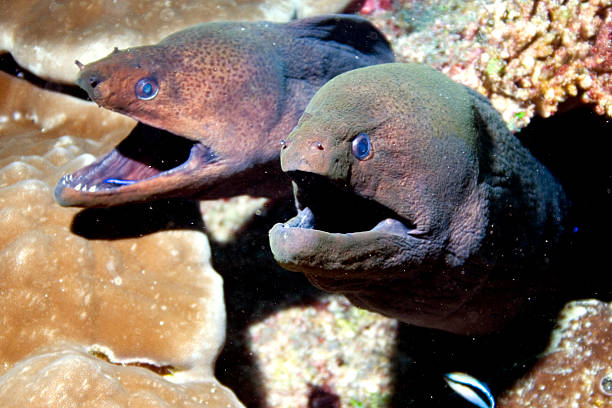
pixel 332 346
pixel 600 61
pixel 577 366
pixel 70 377
pixel 528 57
pixel 153 301
pixel 46 36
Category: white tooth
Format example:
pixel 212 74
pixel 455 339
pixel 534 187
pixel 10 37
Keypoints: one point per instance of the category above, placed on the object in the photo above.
pixel 78 186
pixel 91 189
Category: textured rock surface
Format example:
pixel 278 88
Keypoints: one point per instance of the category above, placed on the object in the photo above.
pixel 151 301
pixel 46 36
pixel 528 57
pixel 576 369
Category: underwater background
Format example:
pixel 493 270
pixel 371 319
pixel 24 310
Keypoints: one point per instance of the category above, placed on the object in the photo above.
pixel 179 302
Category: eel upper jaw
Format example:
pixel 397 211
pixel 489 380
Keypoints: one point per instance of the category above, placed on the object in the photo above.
pixel 148 163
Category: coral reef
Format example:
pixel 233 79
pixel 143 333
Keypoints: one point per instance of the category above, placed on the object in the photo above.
pixel 46 36
pixel 528 57
pixel 576 369
pixel 57 346
pixel 332 345
pixel 152 302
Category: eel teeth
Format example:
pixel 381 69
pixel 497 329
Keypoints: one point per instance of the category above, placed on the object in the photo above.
pixel 304 219
pixel 86 188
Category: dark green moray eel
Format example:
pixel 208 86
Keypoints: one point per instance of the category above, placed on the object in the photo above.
pixel 214 102
pixel 415 201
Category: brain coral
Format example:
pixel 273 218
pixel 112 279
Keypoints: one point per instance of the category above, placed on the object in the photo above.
pixel 74 310
pixel 528 57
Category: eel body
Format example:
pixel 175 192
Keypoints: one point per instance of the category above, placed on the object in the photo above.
pixel 213 103
pixel 415 201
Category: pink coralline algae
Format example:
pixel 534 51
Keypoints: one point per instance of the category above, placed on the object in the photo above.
pixel 528 57
pixel 371 6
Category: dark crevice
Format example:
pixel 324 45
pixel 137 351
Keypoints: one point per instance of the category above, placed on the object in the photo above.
pixel 322 397
pixel 11 67
pixel 575 146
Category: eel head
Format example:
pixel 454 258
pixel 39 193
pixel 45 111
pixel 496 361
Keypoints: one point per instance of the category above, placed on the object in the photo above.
pixel 191 106
pixel 386 184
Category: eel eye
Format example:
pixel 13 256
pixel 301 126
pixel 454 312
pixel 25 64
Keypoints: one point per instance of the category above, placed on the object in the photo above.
pixel 146 88
pixel 361 146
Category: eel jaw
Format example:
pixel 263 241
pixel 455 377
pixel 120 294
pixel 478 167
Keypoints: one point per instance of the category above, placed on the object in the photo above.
pixel 148 163
pixel 338 232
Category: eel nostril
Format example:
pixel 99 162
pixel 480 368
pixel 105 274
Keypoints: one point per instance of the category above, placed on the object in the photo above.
pixel 94 80
pixel 319 145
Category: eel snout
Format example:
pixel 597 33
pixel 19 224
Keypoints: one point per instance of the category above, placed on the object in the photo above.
pixel 89 80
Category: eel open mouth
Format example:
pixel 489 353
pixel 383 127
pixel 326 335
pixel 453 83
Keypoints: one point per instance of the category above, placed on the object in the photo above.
pixel 328 208
pixel 337 234
pixel 147 154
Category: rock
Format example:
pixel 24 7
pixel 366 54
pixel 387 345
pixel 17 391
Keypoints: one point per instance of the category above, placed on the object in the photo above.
pixel 46 36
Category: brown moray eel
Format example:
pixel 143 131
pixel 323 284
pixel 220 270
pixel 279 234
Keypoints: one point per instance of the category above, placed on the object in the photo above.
pixel 415 201
pixel 214 102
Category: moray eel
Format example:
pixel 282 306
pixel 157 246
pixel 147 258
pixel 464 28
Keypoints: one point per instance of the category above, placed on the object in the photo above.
pixel 213 103
pixel 415 201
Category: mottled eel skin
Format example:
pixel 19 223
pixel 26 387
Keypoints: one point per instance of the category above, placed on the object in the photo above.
pixel 214 102
pixel 415 201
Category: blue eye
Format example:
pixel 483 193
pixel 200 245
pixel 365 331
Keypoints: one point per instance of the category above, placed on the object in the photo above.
pixel 361 146
pixel 146 88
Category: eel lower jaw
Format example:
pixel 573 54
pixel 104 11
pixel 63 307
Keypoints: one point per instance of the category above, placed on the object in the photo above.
pixel 147 164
